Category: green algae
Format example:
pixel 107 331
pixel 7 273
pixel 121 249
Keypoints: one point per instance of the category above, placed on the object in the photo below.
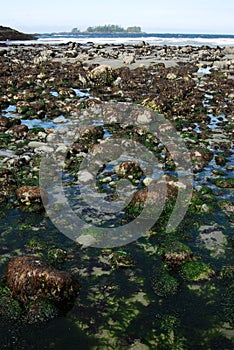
pixel 196 271
pixel 163 284
pixel 10 309
pixel 227 183
pixel 40 310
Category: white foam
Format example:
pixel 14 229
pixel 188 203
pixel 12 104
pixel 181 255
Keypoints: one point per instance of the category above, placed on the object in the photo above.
pixel 130 40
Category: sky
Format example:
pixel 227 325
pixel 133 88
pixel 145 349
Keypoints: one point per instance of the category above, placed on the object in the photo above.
pixel 159 16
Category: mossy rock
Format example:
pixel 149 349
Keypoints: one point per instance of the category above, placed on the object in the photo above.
pixel 206 190
pixel 227 274
pixel 40 310
pixel 56 255
pixel 220 160
pixel 163 284
pixel 10 309
pixel 34 244
pixel 196 271
pixel 36 130
pixel 201 203
pixel 176 253
pixel 228 305
pixel 225 183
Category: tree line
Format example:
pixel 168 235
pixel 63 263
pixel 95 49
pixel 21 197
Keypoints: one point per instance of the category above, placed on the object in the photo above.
pixel 110 28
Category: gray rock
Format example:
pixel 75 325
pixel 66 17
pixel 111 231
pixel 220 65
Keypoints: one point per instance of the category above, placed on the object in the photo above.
pixel 213 238
pixel 128 58
pixel 36 144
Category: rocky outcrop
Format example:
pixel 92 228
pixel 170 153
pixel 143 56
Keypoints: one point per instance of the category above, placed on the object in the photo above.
pixel 7 33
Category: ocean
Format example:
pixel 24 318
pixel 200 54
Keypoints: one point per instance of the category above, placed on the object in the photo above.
pixel 126 38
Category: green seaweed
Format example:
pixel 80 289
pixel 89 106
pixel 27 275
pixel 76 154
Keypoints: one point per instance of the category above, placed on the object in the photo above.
pixel 196 271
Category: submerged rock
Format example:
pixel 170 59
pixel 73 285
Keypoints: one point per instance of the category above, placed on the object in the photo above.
pixel 163 284
pixel 31 278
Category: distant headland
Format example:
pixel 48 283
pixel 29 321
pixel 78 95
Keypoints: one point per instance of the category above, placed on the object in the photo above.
pixel 7 33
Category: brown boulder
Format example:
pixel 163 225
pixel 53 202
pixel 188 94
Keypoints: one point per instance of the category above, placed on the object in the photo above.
pixel 28 194
pixel 30 278
pixel 19 130
pixel 4 123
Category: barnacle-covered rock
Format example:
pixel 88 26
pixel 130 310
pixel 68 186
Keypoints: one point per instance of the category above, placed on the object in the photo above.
pixel 30 278
pixel 201 158
pixel 128 168
pixel 119 258
pixel 30 194
pixel 4 123
pixel 19 131
pixel 102 75
pixel 175 254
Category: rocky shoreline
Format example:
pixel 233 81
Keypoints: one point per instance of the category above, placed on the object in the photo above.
pixel 7 33
pixel 46 90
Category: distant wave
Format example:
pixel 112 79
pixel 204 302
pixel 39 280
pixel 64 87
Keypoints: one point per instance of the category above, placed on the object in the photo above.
pixel 151 38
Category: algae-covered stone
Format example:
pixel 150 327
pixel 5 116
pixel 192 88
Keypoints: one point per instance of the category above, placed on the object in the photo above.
pixel 163 284
pixel 41 310
pixel 228 305
pixel 227 183
pixel 196 271
pixel 10 308
pixel 56 255
pixel 120 259
pixel 176 253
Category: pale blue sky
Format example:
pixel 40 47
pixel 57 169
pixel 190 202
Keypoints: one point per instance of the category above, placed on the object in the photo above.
pixel 180 16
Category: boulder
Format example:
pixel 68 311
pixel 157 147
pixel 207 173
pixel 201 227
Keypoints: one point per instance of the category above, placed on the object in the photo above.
pixel 30 194
pixel 31 278
pixel 103 75
pixel 19 130
pixel 4 123
pixel 128 58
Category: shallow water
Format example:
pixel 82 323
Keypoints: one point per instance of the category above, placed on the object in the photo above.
pixel 117 306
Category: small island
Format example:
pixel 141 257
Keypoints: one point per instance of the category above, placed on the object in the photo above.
pixel 113 28
pixel 101 29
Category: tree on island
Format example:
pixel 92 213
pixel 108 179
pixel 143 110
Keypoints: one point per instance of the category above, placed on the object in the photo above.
pixel 134 29
pixel 75 30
